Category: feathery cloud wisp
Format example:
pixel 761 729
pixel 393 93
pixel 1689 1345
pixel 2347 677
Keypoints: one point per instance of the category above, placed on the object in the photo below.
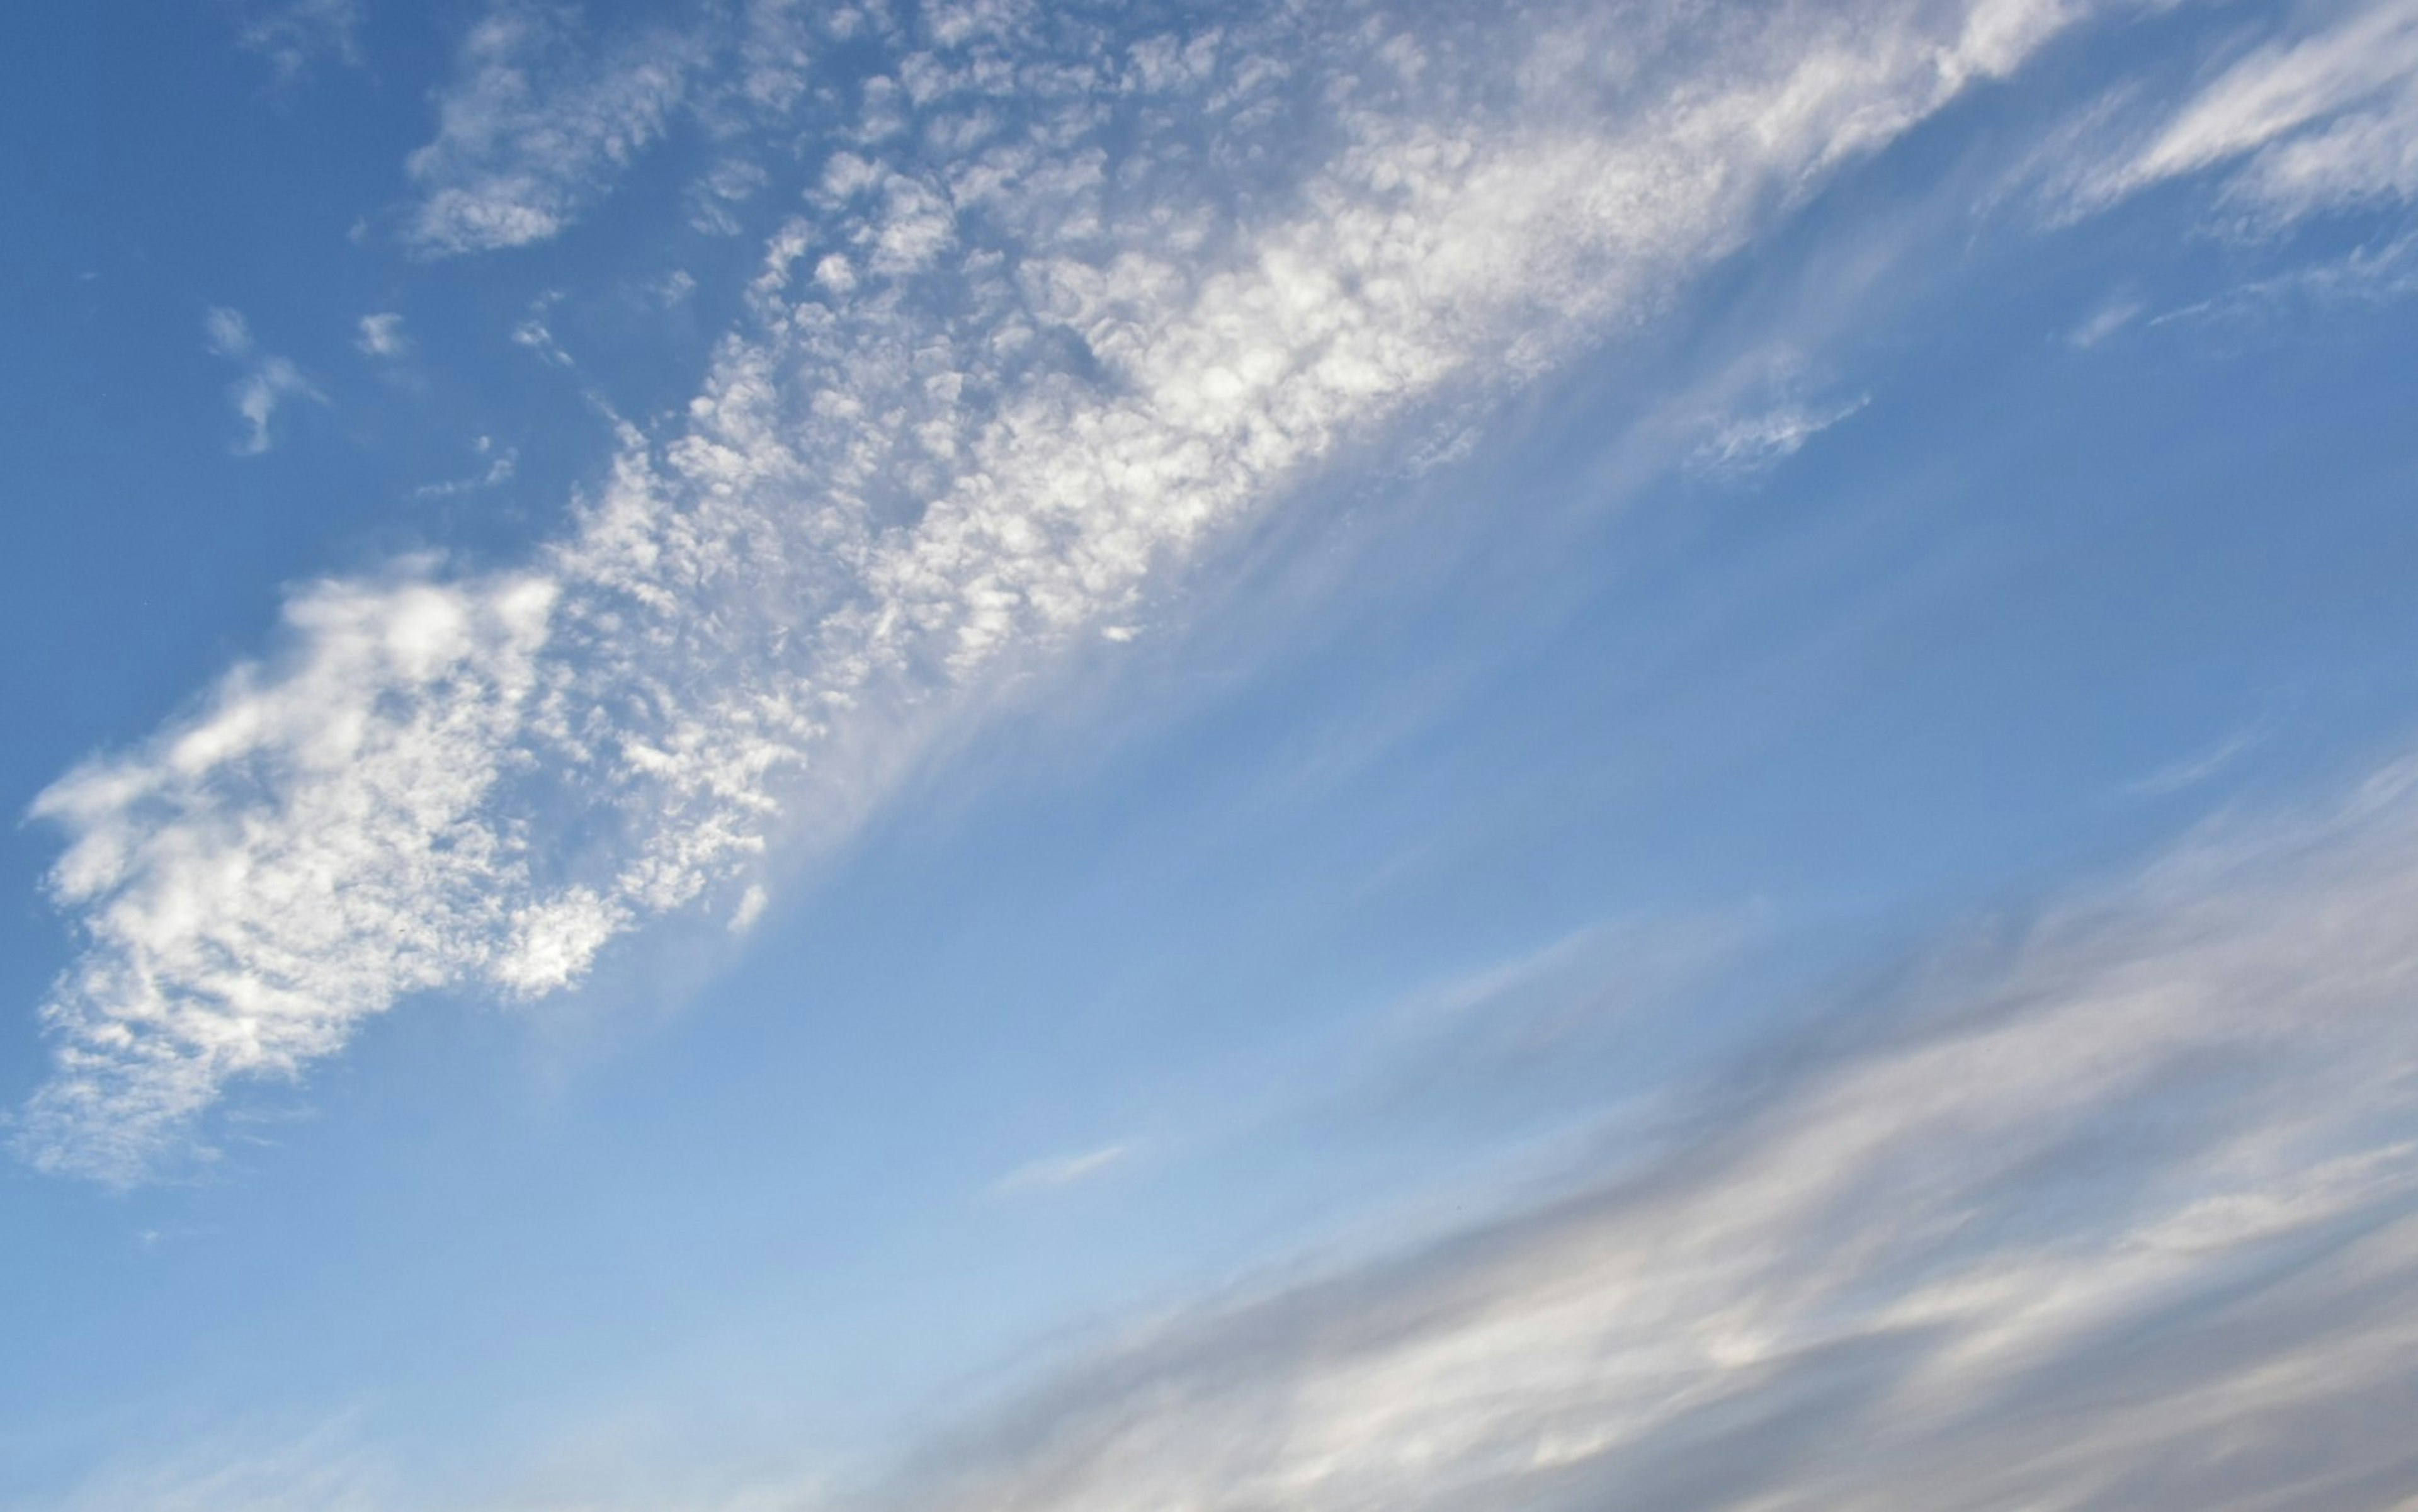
pixel 532 130
pixel 2316 122
pixel 2077 1206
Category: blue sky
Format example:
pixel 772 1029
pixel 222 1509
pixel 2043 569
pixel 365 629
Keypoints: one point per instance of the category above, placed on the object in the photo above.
pixel 982 755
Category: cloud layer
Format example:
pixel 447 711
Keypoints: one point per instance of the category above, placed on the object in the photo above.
pixel 1064 307
pixel 2119 1212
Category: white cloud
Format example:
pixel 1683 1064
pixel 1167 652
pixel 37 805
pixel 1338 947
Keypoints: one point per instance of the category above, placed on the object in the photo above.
pixel 1048 369
pixel 298 34
pixel 532 129
pixel 309 844
pixel 381 335
pixel 1751 444
pixel 2069 1211
pixel 502 463
pixel 2074 1201
pixel 543 117
pixel 268 380
pixel 2321 121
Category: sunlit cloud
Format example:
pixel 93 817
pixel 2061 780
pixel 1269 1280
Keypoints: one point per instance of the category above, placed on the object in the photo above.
pixel 1000 379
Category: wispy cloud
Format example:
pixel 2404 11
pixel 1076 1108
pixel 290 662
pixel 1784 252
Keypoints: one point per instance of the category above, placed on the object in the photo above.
pixel 2316 121
pixel 2372 273
pixel 2078 1197
pixel 296 36
pixel 992 387
pixel 2102 323
pixel 2067 1210
pixel 1751 444
pixel 1062 1170
pixel 2197 768
pixel 545 114
pixel 534 128
pixel 382 335
pixel 268 380
pixel 501 463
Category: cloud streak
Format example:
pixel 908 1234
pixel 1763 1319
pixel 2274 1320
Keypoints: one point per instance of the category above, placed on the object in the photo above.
pixel 1062 1170
pixel 2038 1230
pixel 1753 444
pixel 1003 374
pixel 2324 121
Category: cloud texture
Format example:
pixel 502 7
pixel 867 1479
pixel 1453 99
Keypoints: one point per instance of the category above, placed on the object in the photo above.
pixel 2117 1212
pixel 1065 306
pixel 2323 117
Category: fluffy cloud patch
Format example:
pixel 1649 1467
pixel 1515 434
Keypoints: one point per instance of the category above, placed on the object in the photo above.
pixel 312 843
pixel 1003 373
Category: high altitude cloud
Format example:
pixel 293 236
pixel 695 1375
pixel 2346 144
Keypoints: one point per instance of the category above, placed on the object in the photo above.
pixel 2115 1207
pixel 2112 1213
pixel 2314 121
pixel 1065 306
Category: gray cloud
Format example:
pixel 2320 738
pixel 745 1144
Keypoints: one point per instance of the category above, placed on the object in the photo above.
pixel 2118 1211
pixel 2114 1207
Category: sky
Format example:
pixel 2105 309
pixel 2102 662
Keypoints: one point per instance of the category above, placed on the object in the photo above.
pixel 1051 757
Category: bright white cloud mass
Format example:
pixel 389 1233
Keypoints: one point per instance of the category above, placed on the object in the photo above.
pixel 1040 571
pixel 983 392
